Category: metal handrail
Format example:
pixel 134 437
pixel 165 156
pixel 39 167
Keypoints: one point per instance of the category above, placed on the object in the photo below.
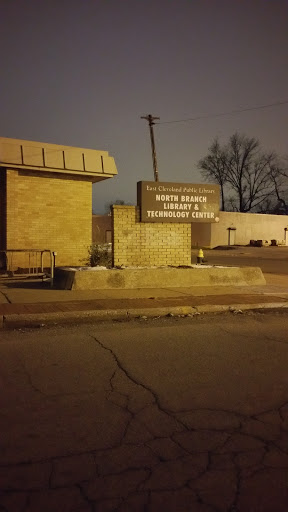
pixel 37 251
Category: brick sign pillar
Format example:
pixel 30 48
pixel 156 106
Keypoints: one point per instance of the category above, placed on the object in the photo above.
pixel 142 244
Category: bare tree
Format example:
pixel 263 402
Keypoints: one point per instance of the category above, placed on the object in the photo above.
pixel 278 173
pixel 213 167
pixel 247 172
pixel 120 202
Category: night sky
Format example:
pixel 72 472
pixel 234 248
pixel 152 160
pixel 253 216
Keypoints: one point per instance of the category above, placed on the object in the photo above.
pixel 83 72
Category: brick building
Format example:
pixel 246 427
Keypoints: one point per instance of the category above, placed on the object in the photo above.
pixel 46 198
pixel 101 229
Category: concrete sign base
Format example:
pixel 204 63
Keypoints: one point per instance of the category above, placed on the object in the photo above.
pixel 132 278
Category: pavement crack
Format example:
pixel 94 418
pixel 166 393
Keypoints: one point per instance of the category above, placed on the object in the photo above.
pixel 235 413
pixel 201 501
pixel 51 395
pixel 281 415
pixel 277 408
pixel 85 497
pixel 274 340
pixel 130 377
pixel 6 297
pixel 51 475
pixel 234 505
pixel 264 338
pixel 29 378
pixel 239 334
pixel 27 504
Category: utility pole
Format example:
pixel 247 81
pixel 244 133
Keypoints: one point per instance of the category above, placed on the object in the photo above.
pixel 150 120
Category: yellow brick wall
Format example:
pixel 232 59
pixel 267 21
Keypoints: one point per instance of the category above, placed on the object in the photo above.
pixel 147 244
pixel 49 212
pixel 2 211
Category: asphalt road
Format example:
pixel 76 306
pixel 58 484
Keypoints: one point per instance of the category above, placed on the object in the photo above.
pixel 187 414
pixel 272 260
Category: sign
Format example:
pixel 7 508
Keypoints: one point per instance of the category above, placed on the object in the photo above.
pixel 177 202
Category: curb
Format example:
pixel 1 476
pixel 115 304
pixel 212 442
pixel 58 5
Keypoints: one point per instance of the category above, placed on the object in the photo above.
pixel 17 321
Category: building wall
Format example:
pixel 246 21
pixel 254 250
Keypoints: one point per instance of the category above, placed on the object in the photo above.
pixel 2 216
pixel 141 244
pixel 249 226
pixel 200 234
pixel 49 211
pixel 101 229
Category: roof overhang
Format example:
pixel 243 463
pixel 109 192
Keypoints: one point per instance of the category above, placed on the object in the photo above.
pixel 91 164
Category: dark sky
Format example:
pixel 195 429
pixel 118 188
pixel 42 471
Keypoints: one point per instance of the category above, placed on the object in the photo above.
pixel 83 72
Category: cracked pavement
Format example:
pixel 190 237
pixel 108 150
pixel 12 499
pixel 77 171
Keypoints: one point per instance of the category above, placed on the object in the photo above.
pixel 187 414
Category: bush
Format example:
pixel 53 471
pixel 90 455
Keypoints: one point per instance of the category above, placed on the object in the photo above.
pixel 100 255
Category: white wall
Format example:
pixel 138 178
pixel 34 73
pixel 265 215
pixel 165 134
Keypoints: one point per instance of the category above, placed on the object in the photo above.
pixel 249 226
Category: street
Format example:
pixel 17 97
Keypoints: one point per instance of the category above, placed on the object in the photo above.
pixel 174 414
pixel 270 259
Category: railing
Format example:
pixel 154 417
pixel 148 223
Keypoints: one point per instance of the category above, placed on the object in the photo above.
pixel 35 265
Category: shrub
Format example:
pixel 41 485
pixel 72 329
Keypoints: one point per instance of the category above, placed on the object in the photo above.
pixel 100 255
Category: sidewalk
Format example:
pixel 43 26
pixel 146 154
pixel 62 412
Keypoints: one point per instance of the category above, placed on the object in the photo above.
pixel 29 302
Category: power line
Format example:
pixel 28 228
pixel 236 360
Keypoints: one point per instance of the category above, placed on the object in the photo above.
pixel 209 116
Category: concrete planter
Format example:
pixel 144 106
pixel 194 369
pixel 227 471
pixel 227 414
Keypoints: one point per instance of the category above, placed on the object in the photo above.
pixel 70 279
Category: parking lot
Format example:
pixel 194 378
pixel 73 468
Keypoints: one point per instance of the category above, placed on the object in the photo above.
pixel 270 259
